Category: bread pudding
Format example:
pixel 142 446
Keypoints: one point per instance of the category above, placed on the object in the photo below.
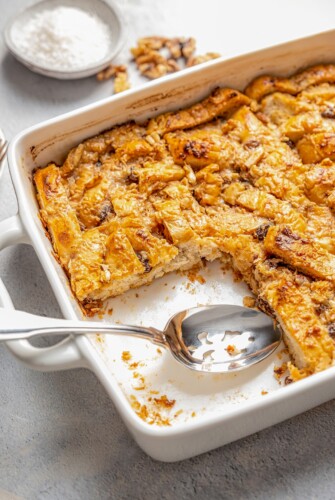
pixel 246 175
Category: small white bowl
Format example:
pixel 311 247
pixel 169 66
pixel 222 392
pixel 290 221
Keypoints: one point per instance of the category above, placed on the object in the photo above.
pixel 108 13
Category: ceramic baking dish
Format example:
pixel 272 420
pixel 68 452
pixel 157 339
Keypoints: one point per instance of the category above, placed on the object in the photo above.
pixel 173 413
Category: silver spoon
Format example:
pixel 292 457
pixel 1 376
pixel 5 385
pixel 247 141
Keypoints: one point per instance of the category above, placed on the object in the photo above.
pixel 218 338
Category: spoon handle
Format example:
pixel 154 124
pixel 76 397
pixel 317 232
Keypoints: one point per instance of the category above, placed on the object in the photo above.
pixel 18 325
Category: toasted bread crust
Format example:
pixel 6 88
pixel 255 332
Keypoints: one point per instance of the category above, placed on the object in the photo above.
pixel 265 85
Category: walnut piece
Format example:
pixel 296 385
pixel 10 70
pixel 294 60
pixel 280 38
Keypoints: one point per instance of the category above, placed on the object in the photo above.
pixel 181 47
pixel 156 56
pixel 120 75
pixel 110 72
pixel 151 59
pixel 148 43
pixel 121 82
pixel 193 61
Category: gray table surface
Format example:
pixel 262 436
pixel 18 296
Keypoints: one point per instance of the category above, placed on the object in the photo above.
pixel 60 435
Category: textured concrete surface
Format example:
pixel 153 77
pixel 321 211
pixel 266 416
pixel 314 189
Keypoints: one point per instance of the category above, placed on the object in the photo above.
pixel 60 436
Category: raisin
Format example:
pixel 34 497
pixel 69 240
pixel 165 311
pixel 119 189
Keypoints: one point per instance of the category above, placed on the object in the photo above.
pixel 328 113
pixel 331 330
pixel 262 231
pixel 289 143
pixel 143 258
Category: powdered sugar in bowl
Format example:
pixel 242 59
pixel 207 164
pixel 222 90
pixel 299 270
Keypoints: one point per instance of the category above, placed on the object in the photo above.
pixel 66 39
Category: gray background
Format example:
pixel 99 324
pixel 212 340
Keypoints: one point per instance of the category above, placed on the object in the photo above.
pixel 60 436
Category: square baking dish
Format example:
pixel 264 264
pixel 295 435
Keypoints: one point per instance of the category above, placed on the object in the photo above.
pixel 173 413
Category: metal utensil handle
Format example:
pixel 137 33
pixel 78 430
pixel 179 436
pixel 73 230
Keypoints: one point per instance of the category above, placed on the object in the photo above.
pixel 151 334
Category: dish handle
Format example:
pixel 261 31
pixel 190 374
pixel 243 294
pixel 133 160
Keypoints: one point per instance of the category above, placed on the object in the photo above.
pixel 61 356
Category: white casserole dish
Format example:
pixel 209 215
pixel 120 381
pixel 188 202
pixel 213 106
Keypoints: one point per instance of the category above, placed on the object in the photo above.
pixel 210 410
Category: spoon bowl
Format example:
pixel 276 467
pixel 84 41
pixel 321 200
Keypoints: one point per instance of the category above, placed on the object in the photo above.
pixel 221 338
pixel 216 338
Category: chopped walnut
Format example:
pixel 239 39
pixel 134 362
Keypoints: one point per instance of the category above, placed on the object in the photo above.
pixel 174 47
pixel 151 56
pixel 152 63
pixel 193 61
pixel 121 82
pixel 188 47
pixel 152 70
pixel 173 66
pixel 148 43
pixel 110 72
pixel 181 47
pixel 120 75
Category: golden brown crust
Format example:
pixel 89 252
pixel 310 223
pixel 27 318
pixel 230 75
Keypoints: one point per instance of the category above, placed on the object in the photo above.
pixel 220 103
pixel 59 217
pixel 288 296
pixel 212 180
pixel 265 85
pixel 299 252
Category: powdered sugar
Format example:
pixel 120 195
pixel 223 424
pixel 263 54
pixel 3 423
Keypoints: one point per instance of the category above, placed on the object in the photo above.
pixel 63 38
